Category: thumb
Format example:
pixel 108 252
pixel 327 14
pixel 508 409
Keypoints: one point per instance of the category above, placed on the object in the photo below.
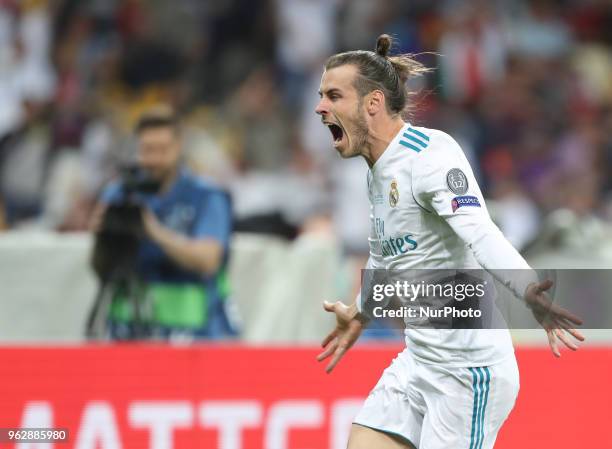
pixel 328 306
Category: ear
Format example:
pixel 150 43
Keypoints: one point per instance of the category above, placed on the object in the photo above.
pixel 375 102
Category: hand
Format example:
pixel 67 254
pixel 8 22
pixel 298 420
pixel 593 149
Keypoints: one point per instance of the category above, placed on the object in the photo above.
pixel 347 331
pixel 151 225
pixel 556 321
pixel 97 217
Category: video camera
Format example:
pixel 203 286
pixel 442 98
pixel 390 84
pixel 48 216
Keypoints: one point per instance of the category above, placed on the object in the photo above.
pixel 117 241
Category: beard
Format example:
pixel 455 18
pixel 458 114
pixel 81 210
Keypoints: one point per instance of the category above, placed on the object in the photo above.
pixel 359 141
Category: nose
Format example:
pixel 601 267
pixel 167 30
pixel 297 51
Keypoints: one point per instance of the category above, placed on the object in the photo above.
pixel 321 108
pixel 145 160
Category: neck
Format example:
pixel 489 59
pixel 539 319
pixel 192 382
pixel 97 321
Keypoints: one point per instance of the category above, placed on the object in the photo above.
pixel 380 136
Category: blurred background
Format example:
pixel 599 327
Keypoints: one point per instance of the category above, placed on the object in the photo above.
pixel 525 86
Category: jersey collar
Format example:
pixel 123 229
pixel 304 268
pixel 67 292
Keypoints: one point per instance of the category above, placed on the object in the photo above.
pixel 393 144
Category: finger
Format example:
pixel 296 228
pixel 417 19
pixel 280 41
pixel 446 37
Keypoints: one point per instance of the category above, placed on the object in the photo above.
pixel 544 285
pixel 569 316
pixel 576 334
pixel 328 351
pixel 338 354
pixel 561 336
pixel 552 342
pixel 560 313
pixel 567 327
pixel 329 338
pixel 560 317
pixel 563 323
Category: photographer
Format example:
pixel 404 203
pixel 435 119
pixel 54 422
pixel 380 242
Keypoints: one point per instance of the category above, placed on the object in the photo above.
pixel 181 224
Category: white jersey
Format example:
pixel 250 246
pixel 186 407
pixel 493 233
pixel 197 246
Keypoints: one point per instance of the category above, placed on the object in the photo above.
pixel 427 212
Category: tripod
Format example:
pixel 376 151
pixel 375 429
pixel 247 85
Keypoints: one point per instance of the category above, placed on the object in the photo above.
pixel 115 261
pixel 125 286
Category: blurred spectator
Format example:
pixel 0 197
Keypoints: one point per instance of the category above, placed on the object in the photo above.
pixel 182 259
pixel 25 155
pixel 26 73
pixel 305 40
pixel 538 30
pixel 26 87
pixel 473 51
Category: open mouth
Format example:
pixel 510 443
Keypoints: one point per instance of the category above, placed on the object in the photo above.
pixel 337 132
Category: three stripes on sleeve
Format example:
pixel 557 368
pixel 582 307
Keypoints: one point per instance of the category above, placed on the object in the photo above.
pixel 415 140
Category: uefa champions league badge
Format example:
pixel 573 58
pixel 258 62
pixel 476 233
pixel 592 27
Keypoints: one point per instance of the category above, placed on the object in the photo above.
pixel 457 181
pixel 464 201
pixel 393 194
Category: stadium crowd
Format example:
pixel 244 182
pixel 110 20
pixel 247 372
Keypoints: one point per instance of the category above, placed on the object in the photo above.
pixel 524 85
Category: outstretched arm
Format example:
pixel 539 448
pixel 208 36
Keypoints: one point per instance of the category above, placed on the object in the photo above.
pixel 461 205
pixel 489 246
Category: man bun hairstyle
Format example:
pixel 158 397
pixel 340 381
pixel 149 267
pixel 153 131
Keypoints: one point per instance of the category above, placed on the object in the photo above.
pixel 379 71
pixel 383 44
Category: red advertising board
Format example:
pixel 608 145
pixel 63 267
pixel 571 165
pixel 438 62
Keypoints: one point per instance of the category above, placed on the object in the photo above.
pixel 235 397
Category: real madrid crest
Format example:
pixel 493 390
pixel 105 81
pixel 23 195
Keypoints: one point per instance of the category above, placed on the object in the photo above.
pixel 393 194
